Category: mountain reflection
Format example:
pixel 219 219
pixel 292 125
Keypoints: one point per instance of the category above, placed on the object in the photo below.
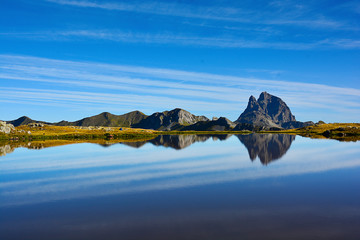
pixel 177 141
pixel 268 147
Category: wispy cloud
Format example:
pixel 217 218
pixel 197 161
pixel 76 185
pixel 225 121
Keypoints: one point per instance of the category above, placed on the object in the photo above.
pixel 291 10
pixel 94 84
pixel 185 40
pixel 162 8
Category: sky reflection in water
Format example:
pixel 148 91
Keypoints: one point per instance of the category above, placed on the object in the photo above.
pixel 208 189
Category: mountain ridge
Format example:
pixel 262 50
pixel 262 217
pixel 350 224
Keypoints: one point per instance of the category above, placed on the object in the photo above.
pixel 268 112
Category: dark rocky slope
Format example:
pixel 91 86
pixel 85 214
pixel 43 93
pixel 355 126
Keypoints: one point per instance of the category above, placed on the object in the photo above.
pixel 269 112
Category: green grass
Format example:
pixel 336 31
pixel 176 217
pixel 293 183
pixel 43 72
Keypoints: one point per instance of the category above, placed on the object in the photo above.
pixel 339 131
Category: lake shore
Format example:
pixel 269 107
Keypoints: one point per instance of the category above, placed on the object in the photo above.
pixel 337 131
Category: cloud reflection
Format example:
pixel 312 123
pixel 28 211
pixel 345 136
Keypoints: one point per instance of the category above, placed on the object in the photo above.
pixel 30 177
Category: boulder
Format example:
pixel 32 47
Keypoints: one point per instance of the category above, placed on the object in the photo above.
pixel 6 127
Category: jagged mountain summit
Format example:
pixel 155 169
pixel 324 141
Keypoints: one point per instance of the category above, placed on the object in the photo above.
pixel 270 112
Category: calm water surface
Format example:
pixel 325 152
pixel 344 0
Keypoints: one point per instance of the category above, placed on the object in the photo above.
pixel 183 187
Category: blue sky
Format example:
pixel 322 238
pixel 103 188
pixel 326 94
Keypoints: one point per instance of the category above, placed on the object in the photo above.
pixel 68 59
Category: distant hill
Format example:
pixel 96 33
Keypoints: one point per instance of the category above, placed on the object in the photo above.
pixel 169 120
pixel 270 112
pixel 24 120
pixel 107 120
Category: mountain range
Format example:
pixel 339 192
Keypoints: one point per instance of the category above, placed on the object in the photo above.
pixel 268 112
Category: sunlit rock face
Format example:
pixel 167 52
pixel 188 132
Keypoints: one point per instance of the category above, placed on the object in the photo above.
pixel 267 147
pixel 169 120
pixel 220 124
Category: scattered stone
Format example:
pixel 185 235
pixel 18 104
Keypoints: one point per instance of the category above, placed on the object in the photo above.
pixel 33 125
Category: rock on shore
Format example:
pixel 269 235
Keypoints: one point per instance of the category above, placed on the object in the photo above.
pixel 6 128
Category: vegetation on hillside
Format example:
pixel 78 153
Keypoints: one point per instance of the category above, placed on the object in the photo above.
pixel 47 132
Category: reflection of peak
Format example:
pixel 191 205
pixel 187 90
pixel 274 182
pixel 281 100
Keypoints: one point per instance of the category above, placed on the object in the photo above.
pixel 221 137
pixel 135 144
pixel 178 141
pixel 268 147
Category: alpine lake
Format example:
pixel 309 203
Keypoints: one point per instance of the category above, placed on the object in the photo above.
pixel 256 186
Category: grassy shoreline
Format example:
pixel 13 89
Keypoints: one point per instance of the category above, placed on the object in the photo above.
pixel 338 131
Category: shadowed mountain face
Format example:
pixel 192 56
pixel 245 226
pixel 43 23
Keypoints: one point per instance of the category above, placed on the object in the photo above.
pixel 270 112
pixel 268 147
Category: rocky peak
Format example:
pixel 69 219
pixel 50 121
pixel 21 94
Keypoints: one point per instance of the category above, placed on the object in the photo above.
pixel 253 104
pixel 267 110
pixel 265 95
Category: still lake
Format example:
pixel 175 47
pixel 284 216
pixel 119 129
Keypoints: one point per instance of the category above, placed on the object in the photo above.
pixel 258 186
